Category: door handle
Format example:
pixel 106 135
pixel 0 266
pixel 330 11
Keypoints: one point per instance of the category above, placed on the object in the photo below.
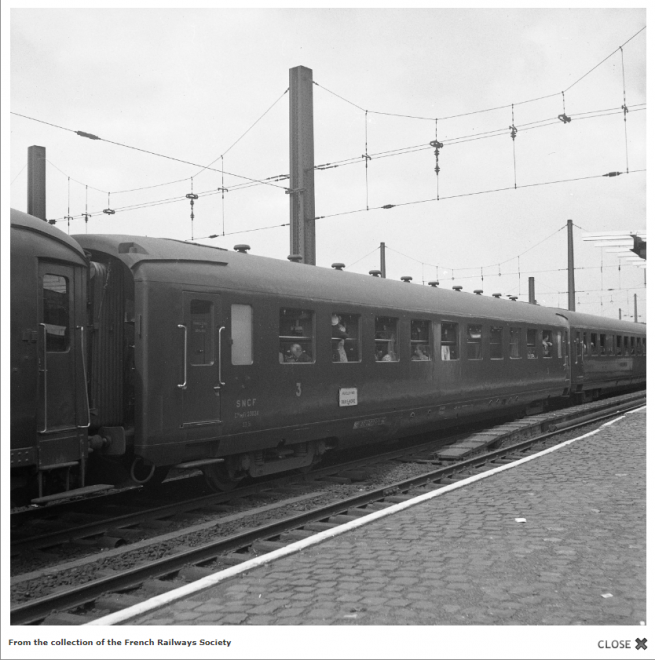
pixel 220 358
pixel 45 378
pixel 182 386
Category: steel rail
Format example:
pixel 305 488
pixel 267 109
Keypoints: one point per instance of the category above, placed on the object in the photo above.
pixel 38 609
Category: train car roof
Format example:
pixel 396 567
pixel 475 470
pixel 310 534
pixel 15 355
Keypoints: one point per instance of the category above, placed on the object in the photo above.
pixel 21 220
pixel 183 262
pixel 26 222
pixel 589 321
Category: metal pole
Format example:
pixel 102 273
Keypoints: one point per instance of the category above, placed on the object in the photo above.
pixel 531 297
pixel 635 308
pixel 301 154
pixel 569 224
pixel 383 260
pixel 36 182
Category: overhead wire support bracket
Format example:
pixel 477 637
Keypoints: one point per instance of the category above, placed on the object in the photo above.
pixel 109 210
pixel 564 118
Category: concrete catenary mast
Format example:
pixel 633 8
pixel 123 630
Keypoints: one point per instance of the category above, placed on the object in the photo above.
pixel 301 154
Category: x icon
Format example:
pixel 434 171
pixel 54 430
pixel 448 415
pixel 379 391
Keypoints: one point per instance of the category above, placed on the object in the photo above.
pixel 641 643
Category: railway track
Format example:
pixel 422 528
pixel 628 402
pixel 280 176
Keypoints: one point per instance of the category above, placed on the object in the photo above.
pixel 172 562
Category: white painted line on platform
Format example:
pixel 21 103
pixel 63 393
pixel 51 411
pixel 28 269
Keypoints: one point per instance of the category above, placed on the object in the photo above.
pixel 221 576
pixel 612 421
pixel 630 412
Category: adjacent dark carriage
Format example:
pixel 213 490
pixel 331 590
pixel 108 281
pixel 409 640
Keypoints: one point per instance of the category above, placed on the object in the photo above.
pixel 266 364
pixel 49 410
pixel 607 355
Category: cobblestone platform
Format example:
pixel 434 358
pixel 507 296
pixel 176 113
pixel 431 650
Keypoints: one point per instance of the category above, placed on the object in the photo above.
pixel 557 540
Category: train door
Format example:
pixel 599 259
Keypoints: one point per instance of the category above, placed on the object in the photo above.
pixel 58 348
pixel 200 382
pixel 447 357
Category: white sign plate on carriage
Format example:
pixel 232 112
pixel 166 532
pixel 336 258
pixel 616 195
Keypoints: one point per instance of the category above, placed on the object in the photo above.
pixel 347 396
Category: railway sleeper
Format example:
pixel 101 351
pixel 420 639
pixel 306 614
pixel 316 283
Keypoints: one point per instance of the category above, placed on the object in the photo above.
pixel 66 619
pixel 264 547
pixel 116 602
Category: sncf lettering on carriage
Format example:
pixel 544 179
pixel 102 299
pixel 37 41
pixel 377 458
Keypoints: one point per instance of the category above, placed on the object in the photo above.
pixel 246 403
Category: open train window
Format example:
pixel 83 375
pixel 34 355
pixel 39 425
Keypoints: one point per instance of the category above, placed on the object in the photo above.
pixel 602 345
pixel 386 339
pixel 241 334
pixel 296 335
pixel 618 345
pixel 547 343
pixel 496 343
pixel 638 345
pixel 474 342
pixel 532 344
pixel 345 337
pixel 420 340
pixel 450 341
pixel 579 347
pixel 56 316
pixel 593 343
pixel 626 345
pixel 515 343
pixel 643 341
pixel 587 344
pixel 632 345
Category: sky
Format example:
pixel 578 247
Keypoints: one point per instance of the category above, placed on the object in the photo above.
pixel 198 84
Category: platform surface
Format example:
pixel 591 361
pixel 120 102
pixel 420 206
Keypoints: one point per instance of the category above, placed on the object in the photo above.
pixel 462 558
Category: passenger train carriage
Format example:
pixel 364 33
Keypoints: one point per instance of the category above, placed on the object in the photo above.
pixel 194 356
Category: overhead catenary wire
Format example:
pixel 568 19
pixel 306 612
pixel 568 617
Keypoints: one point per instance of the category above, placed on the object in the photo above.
pixel 147 151
pixel 493 109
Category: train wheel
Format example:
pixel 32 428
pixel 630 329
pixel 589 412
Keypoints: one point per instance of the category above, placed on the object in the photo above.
pixel 221 478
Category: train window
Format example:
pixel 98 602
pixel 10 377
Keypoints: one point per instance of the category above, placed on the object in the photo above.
pixel 201 344
pixel 296 335
pixel 532 344
pixel 579 346
pixel 587 345
pixel 547 343
pixel 602 348
pixel 420 340
pixel 594 343
pixel 496 343
pixel 617 343
pixel 345 337
pixel 626 345
pixel 450 341
pixel 241 334
pixel 632 345
pixel 386 339
pixel 638 345
pixel 515 343
pixel 474 342
pixel 56 316
pixel 644 344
